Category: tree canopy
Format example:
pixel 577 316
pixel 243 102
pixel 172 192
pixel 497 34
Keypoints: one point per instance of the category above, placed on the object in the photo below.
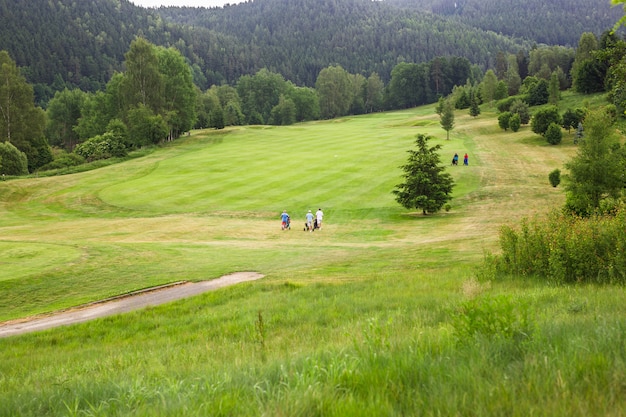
pixel 426 186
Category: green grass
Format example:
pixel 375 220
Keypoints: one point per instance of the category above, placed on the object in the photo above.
pixel 361 318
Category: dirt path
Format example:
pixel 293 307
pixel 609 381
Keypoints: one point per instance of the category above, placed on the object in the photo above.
pixel 122 304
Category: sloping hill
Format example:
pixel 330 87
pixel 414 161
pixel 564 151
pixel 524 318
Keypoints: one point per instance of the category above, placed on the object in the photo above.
pixel 557 22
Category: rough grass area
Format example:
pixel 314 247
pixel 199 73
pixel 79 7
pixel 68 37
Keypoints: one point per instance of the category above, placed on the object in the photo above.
pixel 382 312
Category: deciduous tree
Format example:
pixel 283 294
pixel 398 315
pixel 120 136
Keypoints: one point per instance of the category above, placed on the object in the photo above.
pixel 596 172
pixel 21 122
pixel 335 90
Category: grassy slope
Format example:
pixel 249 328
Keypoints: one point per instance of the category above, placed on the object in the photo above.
pixel 353 320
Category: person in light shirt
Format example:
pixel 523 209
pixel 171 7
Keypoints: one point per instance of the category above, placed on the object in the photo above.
pixel 319 215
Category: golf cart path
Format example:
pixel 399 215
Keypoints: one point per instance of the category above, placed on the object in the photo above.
pixel 122 304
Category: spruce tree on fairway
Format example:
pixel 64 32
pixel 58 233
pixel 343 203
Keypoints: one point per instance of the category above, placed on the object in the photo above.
pixel 447 118
pixel 426 186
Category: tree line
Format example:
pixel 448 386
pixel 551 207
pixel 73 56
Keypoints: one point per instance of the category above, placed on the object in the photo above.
pixel 155 100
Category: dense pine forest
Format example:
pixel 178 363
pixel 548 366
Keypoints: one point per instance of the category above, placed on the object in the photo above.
pixel 66 43
pixel 557 22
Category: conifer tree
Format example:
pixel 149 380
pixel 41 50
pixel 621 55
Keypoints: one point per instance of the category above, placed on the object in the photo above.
pixel 447 118
pixel 474 109
pixel 426 186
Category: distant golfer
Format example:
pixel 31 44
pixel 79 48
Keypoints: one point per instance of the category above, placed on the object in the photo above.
pixel 466 159
pixel 319 215
pixel 309 221
pixel 284 220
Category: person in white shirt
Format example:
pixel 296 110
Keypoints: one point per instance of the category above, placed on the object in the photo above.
pixel 319 215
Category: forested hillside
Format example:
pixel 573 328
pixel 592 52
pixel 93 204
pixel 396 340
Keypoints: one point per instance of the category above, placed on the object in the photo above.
pixel 66 43
pixel 556 22
pixel 297 38
pixel 82 43
pixel 69 43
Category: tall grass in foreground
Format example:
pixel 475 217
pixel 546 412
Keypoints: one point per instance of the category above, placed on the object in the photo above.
pixel 380 314
pixel 412 358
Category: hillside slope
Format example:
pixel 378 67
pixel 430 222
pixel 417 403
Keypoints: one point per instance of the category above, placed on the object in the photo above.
pixel 557 22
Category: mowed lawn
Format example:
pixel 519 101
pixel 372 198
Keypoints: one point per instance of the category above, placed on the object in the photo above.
pixel 210 205
pixel 355 319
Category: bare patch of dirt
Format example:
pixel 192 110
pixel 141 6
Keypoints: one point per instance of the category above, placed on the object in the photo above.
pixel 122 304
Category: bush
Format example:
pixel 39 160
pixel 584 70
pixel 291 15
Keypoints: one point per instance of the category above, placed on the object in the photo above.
pixel 555 177
pixel 101 147
pixel 64 160
pixel 567 249
pixel 14 162
pixel 553 134
pixel 503 120
pixel 521 107
pixel 514 122
pixel 543 118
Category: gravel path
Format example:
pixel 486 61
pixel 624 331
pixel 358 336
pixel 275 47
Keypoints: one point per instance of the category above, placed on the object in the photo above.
pixel 122 304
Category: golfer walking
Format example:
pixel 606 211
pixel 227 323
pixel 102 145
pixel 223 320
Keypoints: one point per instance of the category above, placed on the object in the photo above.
pixel 319 215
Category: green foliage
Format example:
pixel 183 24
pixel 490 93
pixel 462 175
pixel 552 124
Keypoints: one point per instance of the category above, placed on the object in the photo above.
pixel 335 91
pixel 571 118
pixel 543 118
pixel 463 100
pixel 539 93
pixel 521 108
pixel 555 177
pixel 446 118
pixel 308 104
pixel 566 249
pixel 515 122
pixel 589 77
pixel 554 90
pixel 284 113
pixel 595 173
pixel 14 161
pixel 488 87
pixel 499 317
pixel 145 128
pixel 426 186
pixel 553 134
pixel 103 146
pixel 504 119
pixel 260 93
pixel 143 83
pixel 62 114
pixel 179 93
pixel 21 123
pixel 474 109
pixel 64 160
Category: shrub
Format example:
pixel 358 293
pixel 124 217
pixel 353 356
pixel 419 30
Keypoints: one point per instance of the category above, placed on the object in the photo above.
pixel 555 177
pixel 503 120
pixel 101 147
pixel 64 160
pixel 553 134
pixel 567 249
pixel 14 162
pixel 521 107
pixel 543 118
pixel 515 122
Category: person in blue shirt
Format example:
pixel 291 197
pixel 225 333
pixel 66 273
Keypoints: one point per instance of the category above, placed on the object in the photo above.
pixel 284 220
pixel 309 221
